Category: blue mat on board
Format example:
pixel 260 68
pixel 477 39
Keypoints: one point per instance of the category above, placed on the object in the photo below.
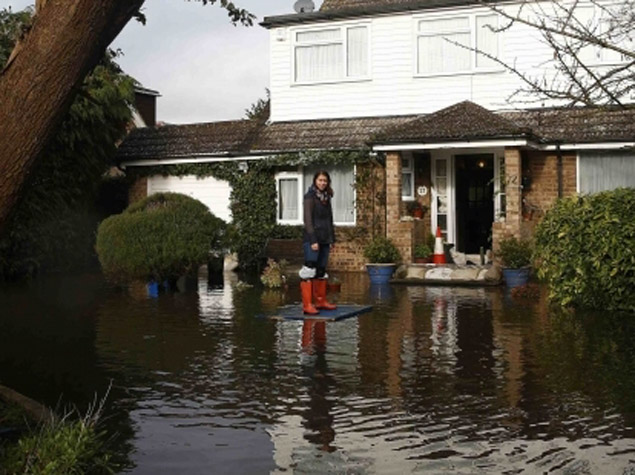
pixel 294 312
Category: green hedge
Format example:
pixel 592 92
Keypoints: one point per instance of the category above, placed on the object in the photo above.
pixel 161 237
pixel 585 248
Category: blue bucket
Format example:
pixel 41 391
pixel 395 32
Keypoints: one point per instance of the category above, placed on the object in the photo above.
pixel 380 273
pixel 516 277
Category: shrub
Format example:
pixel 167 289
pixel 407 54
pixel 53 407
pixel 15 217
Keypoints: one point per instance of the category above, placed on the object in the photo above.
pixel 515 253
pixel 161 237
pixel 273 275
pixel 253 206
pixel 585 247
pixel 381 250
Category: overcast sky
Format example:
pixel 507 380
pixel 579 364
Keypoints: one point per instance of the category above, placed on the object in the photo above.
pixel 205 68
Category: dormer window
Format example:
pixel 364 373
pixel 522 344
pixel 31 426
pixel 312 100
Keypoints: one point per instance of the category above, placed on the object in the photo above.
pixel 331 54
pixel 448 44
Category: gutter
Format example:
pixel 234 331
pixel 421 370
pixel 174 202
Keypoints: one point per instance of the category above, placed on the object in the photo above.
pixel 196 158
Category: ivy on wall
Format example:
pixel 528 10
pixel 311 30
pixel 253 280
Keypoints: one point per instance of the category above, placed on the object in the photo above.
pixel 253 196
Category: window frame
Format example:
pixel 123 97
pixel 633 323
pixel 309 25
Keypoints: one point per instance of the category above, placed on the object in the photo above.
pixel 299 175
pixel 473 68
pixel 410 171
pixel 344 41
pixel 500 189
pixel 286 175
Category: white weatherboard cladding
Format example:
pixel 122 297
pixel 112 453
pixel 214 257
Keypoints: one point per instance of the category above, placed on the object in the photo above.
pixel 393 87
pixel 210 191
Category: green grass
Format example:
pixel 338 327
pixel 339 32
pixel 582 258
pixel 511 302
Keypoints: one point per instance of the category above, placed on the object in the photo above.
pixel 68 444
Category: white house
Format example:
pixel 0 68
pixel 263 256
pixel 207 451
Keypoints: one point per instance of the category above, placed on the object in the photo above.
pixel 418 84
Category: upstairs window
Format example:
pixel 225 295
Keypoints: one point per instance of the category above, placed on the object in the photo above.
pixel 443 44
pixel 331 54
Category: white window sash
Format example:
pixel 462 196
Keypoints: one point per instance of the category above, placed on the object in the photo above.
pixel 289 176
pixel 407 169
pixel 349 53
pixel 499 188
pixel 344 201
pixel 437 51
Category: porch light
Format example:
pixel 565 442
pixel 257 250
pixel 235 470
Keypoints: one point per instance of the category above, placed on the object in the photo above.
pixel 481 164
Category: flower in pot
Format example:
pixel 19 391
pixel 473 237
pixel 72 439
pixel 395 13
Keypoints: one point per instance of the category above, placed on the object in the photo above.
pixel 383 257
pixel 515 255
pixel 422 253
pixel 415 209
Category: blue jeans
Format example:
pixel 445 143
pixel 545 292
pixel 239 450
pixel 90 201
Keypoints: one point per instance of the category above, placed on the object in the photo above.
pixel 319 257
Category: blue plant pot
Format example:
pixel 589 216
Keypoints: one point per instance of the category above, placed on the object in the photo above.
pixel 516 277
pixel 380 273
pixel 153 288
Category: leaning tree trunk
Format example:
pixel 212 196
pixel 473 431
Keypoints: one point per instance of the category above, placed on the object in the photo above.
pixel 67 39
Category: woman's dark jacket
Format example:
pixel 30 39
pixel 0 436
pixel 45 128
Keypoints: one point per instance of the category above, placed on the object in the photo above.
pixel 318 220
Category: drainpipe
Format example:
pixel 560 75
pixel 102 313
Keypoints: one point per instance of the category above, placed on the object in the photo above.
pixel 559 168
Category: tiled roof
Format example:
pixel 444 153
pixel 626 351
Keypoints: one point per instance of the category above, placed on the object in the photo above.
pixel 578 125
pixel 333 5
pixel 214 138
pixel 334 134
pixel 338 9
pixel 462 121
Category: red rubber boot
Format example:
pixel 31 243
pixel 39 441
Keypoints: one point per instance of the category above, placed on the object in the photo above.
pixel 307 300
pixel 319 292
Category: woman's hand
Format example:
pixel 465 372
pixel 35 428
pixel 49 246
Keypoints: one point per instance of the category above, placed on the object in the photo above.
pixel 315 246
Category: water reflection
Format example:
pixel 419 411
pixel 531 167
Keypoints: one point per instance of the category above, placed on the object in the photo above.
pixel 434 379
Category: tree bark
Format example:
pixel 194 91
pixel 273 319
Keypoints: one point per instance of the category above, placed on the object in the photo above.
pixel 66 40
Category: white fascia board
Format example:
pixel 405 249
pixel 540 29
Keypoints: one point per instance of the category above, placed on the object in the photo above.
pixel 590 146
pixel 189 159
pixel 445 145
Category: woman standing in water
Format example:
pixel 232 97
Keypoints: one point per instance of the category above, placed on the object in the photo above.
pixel 318 240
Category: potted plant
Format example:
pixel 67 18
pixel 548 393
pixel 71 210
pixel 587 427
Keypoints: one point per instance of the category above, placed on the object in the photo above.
pixel 515 256
pixel 383 257
pixel 422 253
pixel 415 209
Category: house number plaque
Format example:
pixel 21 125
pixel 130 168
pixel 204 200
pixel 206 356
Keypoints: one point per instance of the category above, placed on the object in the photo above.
pixel 422 190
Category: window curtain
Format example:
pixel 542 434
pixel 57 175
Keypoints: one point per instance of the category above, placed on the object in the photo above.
pixel 314 62
pixel 606 171
pixel 486 40
pixel 437 51
pixel 342 182
pixel 288 199
pixel 357 50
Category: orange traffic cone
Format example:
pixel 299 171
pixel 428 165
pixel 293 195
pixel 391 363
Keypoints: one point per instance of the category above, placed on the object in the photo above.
pixel 439 254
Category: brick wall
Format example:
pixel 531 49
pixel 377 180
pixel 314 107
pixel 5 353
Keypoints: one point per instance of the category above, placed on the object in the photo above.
pixel 527 205
pixel 542 170
pixel 138 190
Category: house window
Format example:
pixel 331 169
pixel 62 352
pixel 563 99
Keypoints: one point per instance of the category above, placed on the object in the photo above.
pixel 407 179
pixel 291 187
pixel 289 198
pixel 500 203
pixel 331 54
pixel 603 171
pixel 446 45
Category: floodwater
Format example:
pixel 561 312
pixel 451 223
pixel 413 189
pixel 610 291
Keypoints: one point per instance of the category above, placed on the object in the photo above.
pixel 433 380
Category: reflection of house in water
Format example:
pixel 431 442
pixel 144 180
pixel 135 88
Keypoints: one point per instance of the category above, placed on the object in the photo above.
pixel 216 302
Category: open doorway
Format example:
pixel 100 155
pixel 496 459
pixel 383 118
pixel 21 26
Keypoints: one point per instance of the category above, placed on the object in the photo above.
pixel 474 201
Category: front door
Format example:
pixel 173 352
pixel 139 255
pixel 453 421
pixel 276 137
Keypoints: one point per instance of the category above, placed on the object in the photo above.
pixel 474 201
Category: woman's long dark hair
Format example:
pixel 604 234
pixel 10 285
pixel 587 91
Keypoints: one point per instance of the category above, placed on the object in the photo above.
pixel 329 190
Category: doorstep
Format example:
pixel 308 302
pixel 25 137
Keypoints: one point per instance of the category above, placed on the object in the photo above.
pixel 448 274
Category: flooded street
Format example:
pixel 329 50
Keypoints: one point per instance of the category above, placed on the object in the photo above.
pixel 433 380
